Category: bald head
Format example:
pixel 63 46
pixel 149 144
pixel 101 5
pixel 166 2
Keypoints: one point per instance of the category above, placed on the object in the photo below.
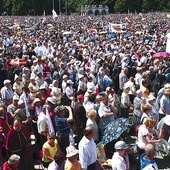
pixel 89 132
pixel 150 151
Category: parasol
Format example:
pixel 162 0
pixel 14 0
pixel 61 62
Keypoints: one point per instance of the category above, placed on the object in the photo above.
pixel 161 54
pixel 115 129
pixel 92 30
pixel 19 62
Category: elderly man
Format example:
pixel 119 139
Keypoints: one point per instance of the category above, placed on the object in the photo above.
pixel 120 159
pixel 12 163
pixel 17 141
pixel 147 160
pixel 87 149
pixel 7 92
pixel 164 104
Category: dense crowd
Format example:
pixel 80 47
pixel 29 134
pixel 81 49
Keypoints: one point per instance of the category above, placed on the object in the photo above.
pixel 63 81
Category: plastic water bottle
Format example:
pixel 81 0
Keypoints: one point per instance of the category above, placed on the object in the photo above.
pixel 135 149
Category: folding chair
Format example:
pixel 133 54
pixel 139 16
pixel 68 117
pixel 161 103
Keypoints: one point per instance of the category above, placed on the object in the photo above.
pixel 101 156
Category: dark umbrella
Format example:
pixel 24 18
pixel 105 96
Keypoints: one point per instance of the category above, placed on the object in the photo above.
pixel 115 129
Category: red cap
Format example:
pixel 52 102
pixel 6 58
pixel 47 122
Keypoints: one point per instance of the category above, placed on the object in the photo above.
pixel 80 96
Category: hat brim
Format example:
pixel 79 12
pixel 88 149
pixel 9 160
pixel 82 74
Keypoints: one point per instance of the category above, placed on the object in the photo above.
pixel 167 121
pixel 72 154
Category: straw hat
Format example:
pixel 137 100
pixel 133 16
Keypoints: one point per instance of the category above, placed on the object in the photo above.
pixel 71 151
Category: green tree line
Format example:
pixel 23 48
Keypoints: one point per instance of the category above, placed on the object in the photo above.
pixel 36 7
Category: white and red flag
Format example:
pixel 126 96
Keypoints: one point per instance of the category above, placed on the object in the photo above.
pixel 44 17
pixel 127 20
pixel 54 14
pixel 90 18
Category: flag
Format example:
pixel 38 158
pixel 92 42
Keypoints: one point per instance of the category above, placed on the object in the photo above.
pixel 127 20
pixel 54 14
pixel 49 122
pixel 44 17
pixel 90 19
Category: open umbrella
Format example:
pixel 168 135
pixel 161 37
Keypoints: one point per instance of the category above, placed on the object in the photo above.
pixel 19 62
pixel 92 30
pixel 161 54
pixel 115 129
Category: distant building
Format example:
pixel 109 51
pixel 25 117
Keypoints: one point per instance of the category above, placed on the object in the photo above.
pixel 94 9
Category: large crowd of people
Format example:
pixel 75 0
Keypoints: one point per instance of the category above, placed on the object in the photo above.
pixel 63 81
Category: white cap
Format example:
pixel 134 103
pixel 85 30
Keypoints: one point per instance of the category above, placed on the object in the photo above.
pixel 42 87
pixel 6 81
pixel 36 100
pixel 167 120
pixel 69 82
pixel 15 97
pixel 20 102
pixel 65 76
pixel 51 100
pixel 16 76
pixel 80 76
pixel 32 77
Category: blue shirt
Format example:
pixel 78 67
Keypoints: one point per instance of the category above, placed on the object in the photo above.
pixel 62 126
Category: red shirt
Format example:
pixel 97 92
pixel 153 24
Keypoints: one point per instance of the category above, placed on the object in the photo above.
pixel 6 166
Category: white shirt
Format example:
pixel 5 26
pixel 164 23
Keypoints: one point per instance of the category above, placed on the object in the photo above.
pixel 69 91
pixel 87 152
pixel 118 162
pixel 64 84
pixel 138 78
pixel 54 166
pixel 151 167
pixel 142 133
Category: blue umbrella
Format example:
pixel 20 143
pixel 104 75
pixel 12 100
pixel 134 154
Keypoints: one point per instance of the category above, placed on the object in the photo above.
pixel 127 35
pixel 114 129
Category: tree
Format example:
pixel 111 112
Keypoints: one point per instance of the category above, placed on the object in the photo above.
pixel 120 6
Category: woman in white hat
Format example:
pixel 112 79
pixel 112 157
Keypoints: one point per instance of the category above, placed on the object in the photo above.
pixel 18 85
pixel 56 91
pixel 33 87
pixel 69 89
pixel 125 101
pixel 82 86
pixel 72 161
pixel 151 102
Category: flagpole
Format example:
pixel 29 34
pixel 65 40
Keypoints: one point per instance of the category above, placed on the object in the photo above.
pixel 59 7
pixel 53 4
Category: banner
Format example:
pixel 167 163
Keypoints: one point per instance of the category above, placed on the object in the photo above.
pixel 117 27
